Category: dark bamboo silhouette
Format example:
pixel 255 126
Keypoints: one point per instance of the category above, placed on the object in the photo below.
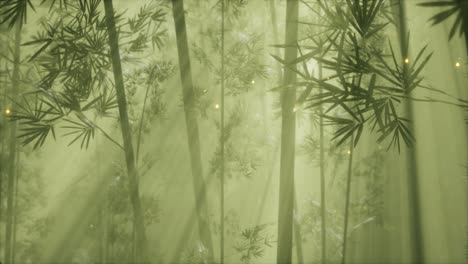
pixel 103 241
pixel 193 137
pixel 348 197
pixel 297 234
pixel 125 127
pixel 15 208
pixel 416 238
pixel 3 133
pixel 221 139
pixel 323 205
pixel 288 140
pixel 12 150
pixel 272 155
pixel 275 37
pixel 323 208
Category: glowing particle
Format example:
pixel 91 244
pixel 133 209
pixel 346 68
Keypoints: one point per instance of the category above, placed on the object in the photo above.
pixel 7 111
pixel 457 64
pixel 406 60
pixel 349 152
pixel 201 247
pixel 206 90
pixel 253 81
pixel 297 107
pixel 217 106
pixel 296 215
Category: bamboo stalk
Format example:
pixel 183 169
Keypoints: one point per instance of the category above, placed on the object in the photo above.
pixel 12 150
pixel 297 233
pixel 192 127
pixel 416 238
pixel 125 127
pixel 323 205
pixel 348 197
pixel 134 249
pixel 288 141
pixel 272 155
pixel 275 37
pixel 222 137
pixel 3 153
pixel 15 212
pixel 323 209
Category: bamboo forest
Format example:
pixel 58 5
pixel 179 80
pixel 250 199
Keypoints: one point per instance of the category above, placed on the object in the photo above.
pixel 233 131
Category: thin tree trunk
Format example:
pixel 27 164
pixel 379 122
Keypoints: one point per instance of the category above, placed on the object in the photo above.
pixel 323 208
pixel 348 197
pixel 103 218
pixel 126 132
pixel 288 141
pixel 221 138
pixel 414 214
pixel 12 150
pixel 323 205
pixel 134 249
pixel 112 242
pixel 15 211
pixel 192 127
pixel 272 155
pixel 106 233
pixel 138 145
pixel 297 233
pixel 3 133
pixel 465 30
pixel 274 21
pixel 102 242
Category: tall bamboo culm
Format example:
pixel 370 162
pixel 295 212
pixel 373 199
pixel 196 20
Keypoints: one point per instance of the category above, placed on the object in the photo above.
pixel 221 138
pixel 12 150
pixel 414 214
pixel 132 171
pixel 288 140
pixel 323 204
pixel 191 122
pixel 348 198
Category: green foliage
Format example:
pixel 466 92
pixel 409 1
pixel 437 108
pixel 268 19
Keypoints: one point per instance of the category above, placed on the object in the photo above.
pixel 310 223
pixel 233 8
pixel 147 82
pixel 311 148
pixel 118 202
pixel 244 66
pixel 252 243
pixel 364 15
pixel 455 8
pixel 148 25
pixel 242 155
pixel 243 61
pixel 362 87
pixel 197 254
pixel 14 11
pixel 371 203
pixel 75 71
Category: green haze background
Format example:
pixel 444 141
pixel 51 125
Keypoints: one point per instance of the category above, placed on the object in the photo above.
pixel 70 208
